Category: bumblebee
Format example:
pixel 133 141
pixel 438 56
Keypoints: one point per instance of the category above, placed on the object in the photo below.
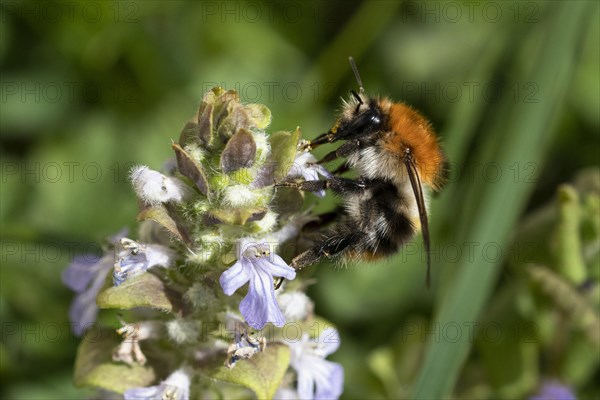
pixel 395 154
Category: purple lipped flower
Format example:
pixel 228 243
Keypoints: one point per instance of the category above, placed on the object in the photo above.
pixel 244 347
pixel 257 265
pixel 175 387
pixel 86 277
pixel 317 377
pixel 136 258
pixel 554 390
pixel 305 166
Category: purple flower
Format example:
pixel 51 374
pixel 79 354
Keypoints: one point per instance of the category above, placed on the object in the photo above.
pixel 175 387
pixel 317 377
pixel 85 276
pixel 554 390
pixel 305 166
pixel 245 346
pixel 135 258
pixel 258 266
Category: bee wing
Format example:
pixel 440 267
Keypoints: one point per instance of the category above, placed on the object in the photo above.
pixel 415 182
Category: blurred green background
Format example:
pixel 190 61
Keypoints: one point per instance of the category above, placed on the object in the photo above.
pixel 90 88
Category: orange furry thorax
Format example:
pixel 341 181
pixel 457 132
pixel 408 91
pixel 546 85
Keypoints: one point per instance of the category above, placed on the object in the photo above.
pixel 409 129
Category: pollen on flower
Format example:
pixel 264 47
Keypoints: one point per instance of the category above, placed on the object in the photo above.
pixel 154 188
pixel 210 245
pixel 263 147
pixel 195 151
pixel 183 331
pixel 244 175
pixel 296 306
pixel 266 223
pixel 200 207
pixel 239 196
pixel 201 297
pixel 254 251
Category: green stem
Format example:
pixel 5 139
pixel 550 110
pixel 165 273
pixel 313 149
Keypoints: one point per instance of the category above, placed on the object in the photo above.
pixel 568 239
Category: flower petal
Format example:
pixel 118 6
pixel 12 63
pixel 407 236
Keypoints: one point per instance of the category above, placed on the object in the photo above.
pixel 176 386
pixel 78 275
pixel 144 393
pixel 84 310
pixel 322 171
pixel 553 389
pixel 159 255
pixel 128 266
pixel 236 276
pixel 260 306
pixel 317 377
pixel 181 381
pixel 329 340
pixel 306 166
pixel 310 174
pixel 276 267
pixel 333 386
pixel 306 383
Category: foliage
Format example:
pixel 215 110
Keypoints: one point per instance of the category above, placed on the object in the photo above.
pixel 514 96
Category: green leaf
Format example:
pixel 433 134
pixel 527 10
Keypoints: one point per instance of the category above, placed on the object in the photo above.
pixel 509 352
pixel 205 124
pixel 160 215
pixel 288 201
pixel 188 133
pixel 224 104
pixel 145 290
pixel 283 152
pixel 262 373
pixel 260 115
pixel 94 365
pixel 567 239
pixel 237 216
pixel 191 169
pixel 239 152
pixel 236 119
pixel 523 127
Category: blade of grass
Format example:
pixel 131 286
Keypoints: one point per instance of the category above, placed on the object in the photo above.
pixel 367 23
pixel 500 203
pixel 360 32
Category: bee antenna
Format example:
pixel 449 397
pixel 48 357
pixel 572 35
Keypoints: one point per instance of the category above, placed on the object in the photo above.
pixel 357 97
pixel 361 89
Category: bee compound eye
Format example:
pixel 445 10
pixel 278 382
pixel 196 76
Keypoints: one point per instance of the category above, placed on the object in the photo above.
pixel 375 119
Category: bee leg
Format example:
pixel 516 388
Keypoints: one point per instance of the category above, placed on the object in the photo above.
pixel 345 167
pixel 343 151
pixel 334 245
pixel 332 155
pixel 323 219
pixel 335 183
pixel 323 138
